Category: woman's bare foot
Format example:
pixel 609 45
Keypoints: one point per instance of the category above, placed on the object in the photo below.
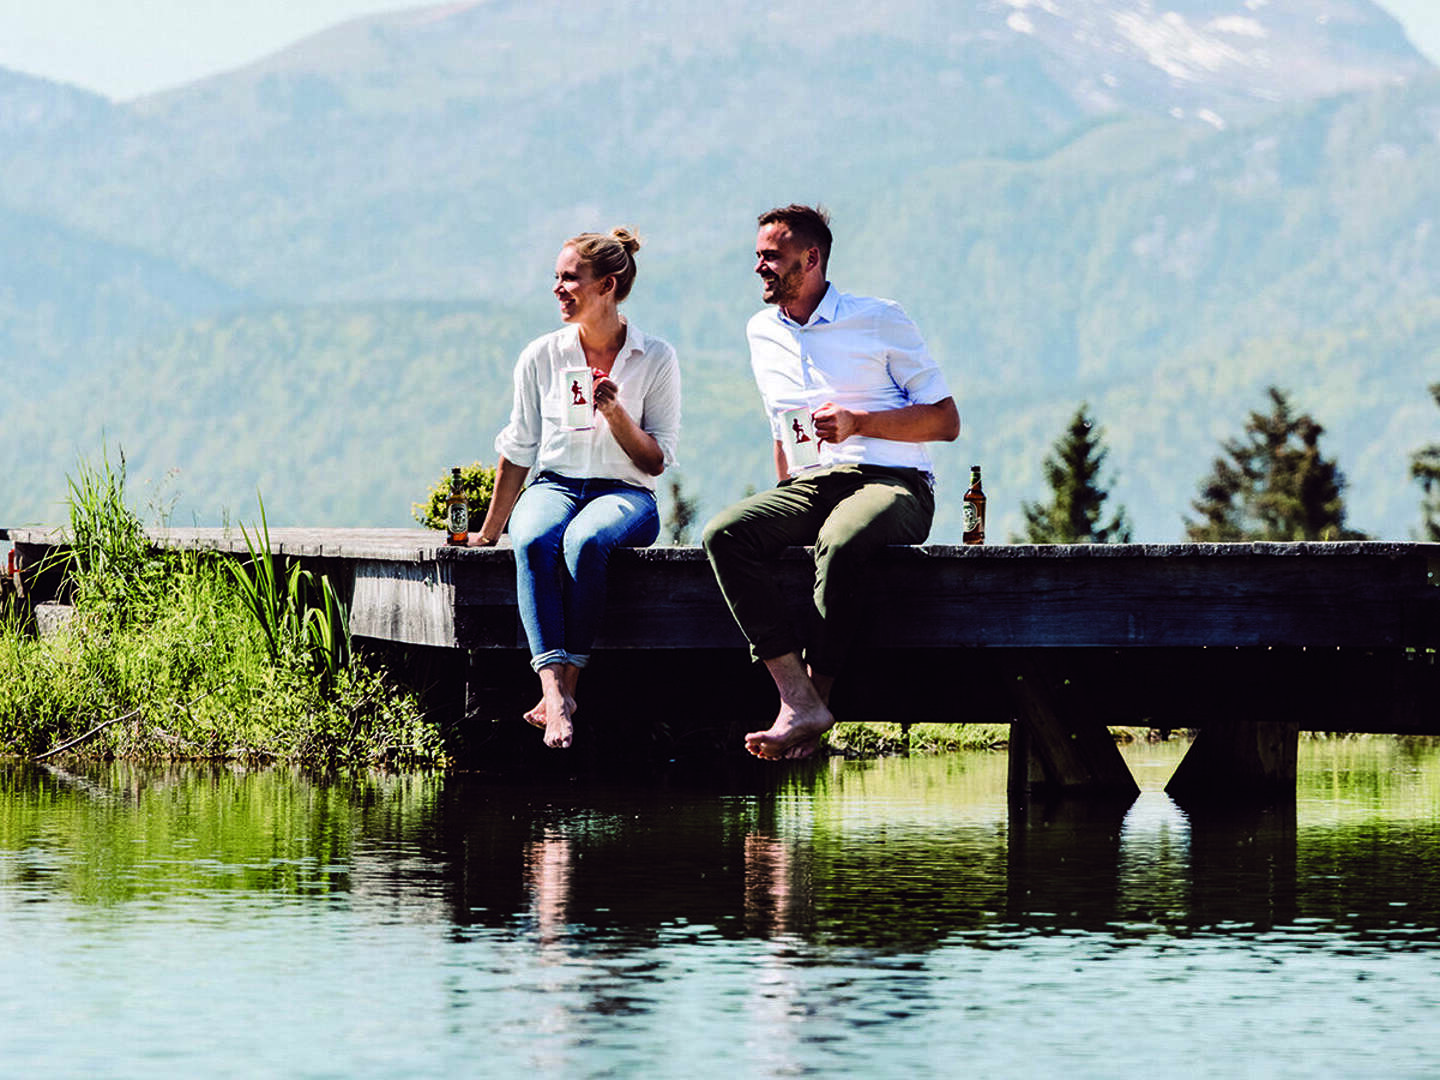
pixel 536 716
pixel 555 710
pixel 559 730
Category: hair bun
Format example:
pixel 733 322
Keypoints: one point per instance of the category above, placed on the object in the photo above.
pixel 626 238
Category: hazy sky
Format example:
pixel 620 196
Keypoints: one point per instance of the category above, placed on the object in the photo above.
pixel 125 48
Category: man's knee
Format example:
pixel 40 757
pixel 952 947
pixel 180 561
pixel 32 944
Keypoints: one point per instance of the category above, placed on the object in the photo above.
pixel 718 531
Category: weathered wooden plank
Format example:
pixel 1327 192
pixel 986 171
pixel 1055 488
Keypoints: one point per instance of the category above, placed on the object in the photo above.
pixel 1271 596
pixel 407 545
pixel 408 602
pixel 1348 595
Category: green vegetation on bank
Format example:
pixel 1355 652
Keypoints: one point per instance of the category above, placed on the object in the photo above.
pixel 880 739
pixel 165 657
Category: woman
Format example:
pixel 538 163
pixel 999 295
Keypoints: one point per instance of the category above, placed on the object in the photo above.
pixel 594 488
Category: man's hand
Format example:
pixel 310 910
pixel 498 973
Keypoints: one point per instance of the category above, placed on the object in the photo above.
pixel 834 424
pixel 909 423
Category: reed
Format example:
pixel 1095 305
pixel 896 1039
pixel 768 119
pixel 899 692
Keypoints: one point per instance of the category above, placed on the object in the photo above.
pixel 303 615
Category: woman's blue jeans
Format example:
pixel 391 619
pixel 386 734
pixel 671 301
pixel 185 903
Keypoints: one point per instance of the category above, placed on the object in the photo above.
pixel 563 530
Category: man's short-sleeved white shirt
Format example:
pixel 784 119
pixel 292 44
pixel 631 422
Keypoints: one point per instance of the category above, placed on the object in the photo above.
pixel 648 376
pixel 859 352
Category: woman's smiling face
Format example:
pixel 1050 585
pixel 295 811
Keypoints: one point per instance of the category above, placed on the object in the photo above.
pixel 580 293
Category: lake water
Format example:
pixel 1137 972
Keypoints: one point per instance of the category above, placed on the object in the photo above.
pixel 887 918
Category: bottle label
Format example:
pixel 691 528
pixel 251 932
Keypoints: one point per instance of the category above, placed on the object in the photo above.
pixel 459 518
pixel 971 516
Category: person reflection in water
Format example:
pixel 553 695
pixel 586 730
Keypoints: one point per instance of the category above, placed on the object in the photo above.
pixel 547 870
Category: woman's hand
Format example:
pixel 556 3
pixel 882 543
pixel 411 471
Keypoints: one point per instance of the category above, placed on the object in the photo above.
pixel 606 392
pixel 639 445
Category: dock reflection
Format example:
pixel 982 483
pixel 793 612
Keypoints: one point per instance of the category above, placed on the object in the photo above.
pixel 633 871
pixel 882 858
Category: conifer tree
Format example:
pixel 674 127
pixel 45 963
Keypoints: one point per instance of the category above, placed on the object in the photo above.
pixel 1273 484
pixel 1425 468
pixel 1072 516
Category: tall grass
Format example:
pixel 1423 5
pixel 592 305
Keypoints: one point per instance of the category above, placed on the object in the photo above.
pixel 166 652
pixel 110 564
pixel 297 611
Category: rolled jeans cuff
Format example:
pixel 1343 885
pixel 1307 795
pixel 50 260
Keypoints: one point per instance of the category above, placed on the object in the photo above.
pixel 558 656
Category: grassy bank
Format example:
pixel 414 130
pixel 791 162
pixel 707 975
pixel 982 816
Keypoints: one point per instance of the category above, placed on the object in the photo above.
pixel 167 656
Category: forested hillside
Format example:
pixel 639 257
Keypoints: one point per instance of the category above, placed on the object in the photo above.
pixel 311 276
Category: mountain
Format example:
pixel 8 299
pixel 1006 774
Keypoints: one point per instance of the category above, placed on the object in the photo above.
pixel 419 155
pixel 308 275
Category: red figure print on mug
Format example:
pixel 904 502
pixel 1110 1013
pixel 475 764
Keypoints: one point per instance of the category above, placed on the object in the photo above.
pixel 580 398
pixel 797 427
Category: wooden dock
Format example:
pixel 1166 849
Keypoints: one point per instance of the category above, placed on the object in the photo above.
pixel 1247 642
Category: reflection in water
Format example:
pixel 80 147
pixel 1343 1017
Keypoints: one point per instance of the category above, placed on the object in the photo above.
pixel 884 916
pixel 774 903
pixel 547 872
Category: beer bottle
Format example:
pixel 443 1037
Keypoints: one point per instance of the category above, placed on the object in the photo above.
pixel 457 509
pixel 974 509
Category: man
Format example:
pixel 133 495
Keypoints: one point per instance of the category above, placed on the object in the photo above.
pixel 861 368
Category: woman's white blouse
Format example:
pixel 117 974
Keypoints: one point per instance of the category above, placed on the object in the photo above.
pixel 648 376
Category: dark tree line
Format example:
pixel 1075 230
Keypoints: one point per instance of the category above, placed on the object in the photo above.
pixel 1272 482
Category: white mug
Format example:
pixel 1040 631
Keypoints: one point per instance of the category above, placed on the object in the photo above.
pixel 797 435
pixel 578 392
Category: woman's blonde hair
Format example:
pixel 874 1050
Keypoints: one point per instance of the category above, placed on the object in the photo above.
pixel 609 254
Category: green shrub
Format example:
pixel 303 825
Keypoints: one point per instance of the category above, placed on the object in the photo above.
pixel 479 483
pixel 167 657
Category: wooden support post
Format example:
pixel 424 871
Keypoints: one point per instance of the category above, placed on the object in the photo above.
pixel 1058 746
pixel 1250 760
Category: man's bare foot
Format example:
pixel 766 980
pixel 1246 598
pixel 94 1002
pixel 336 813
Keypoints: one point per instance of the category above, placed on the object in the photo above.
pixel 801 750
pixel 794 734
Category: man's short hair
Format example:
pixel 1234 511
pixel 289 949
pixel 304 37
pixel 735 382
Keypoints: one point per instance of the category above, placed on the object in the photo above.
pixel 808 224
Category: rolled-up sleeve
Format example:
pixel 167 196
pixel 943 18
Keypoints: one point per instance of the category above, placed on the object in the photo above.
pixel 519 440
pixel 911 366
pixel 661 418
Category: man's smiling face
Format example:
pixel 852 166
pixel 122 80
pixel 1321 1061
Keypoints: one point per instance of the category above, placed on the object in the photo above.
pixel 780 261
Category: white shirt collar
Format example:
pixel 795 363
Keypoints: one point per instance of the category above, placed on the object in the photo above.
pixel 824 311
pixel 634 340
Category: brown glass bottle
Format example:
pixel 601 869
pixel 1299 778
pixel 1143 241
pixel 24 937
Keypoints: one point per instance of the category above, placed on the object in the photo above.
pixel 457 510
pixel 974 509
